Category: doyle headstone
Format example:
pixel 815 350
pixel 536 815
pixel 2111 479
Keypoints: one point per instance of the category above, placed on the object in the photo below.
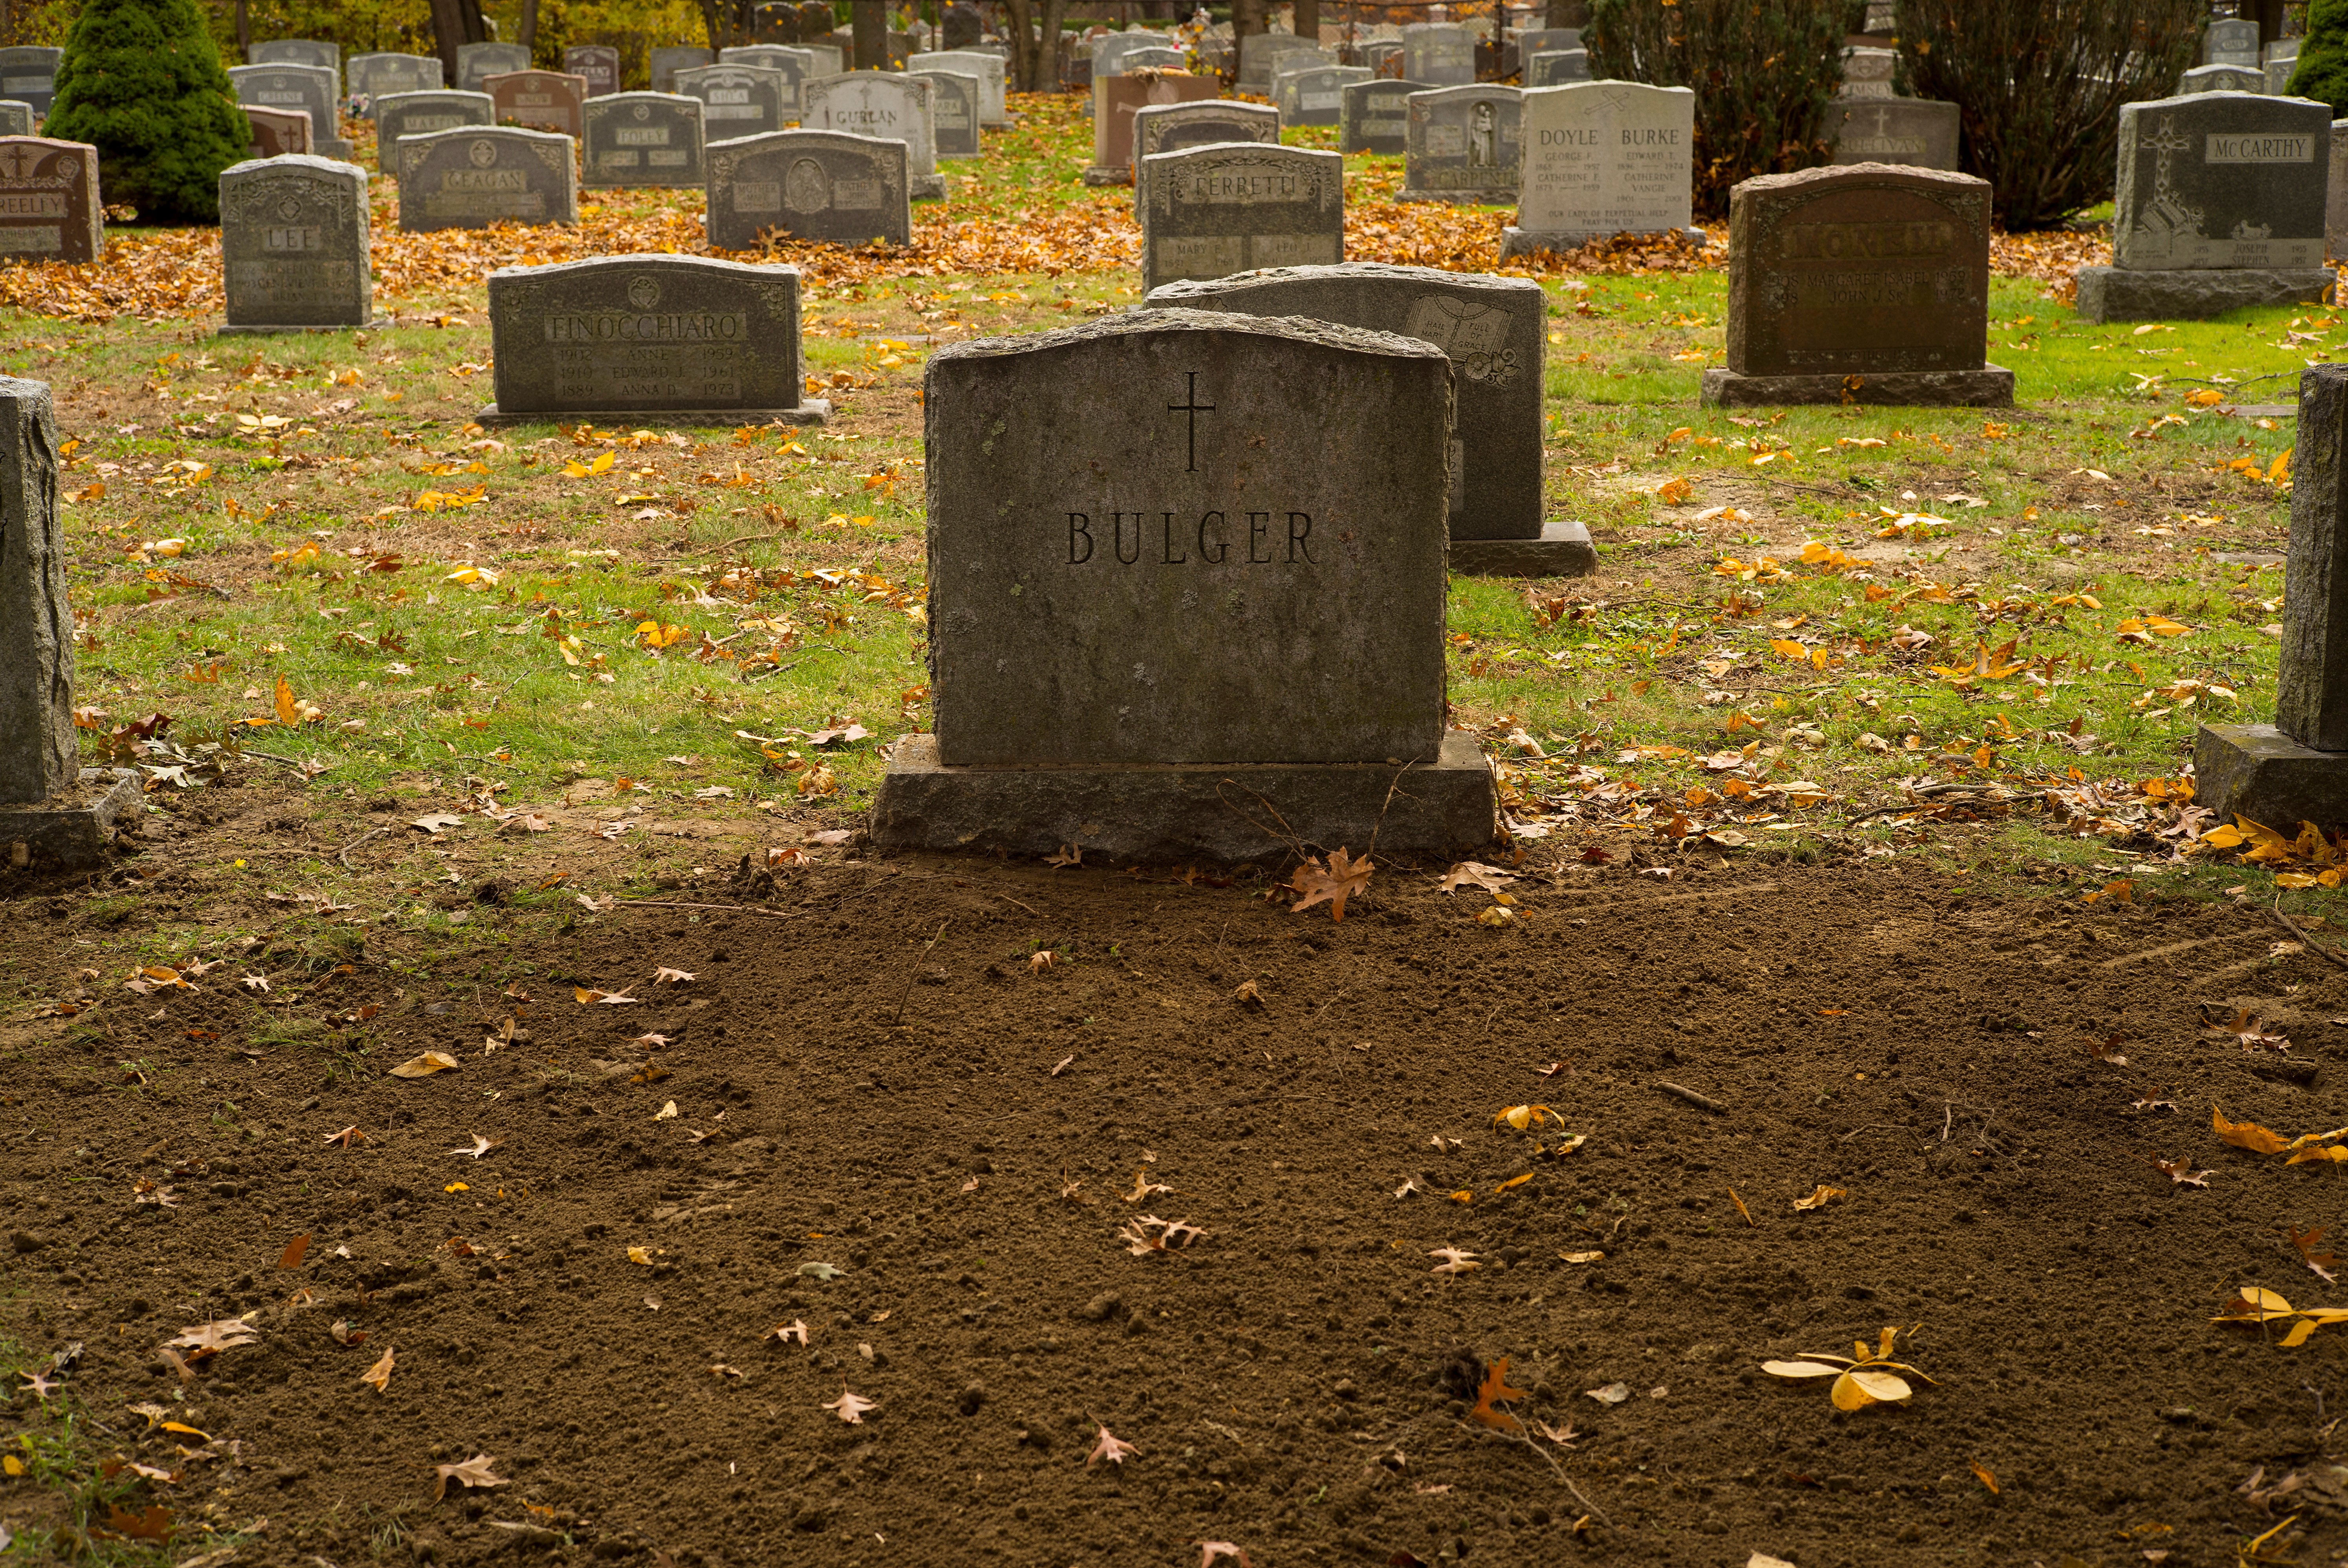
pixel 1117 100
pixel 377 76
pixel 50 209
pixel 1441 54
pixel 1556 67
pixel 643 139
pixel 1603 158
pixel 669 59
pixel 1463 144
pixel 737 100
pixel 792 64
pixel 17 119
pixel 1867 72
pixel 2231 42
pixel 476 63
pixel 276 133
pixel 28 74
pixel 1316 95
pixel 1162 580
pixel 885 103
pixel 819 185
pixel 471 178
pixel 293 245
pixel 413 114
pixel 309 89
pixel 1921 132
pixel 2222 79
pixel 993 109
pixel 953 109
pixel 1376 117
pixel 598 64
pixel 1231 207
pixel 543 101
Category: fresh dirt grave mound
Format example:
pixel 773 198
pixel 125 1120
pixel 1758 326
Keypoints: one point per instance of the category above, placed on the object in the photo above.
pixel 894 1129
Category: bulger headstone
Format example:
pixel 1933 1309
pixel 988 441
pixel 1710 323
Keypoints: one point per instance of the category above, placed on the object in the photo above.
pixel 1604 158
pixel 645 139
pixel 1117 100
pixel 413 114
pixel 994 110
pixel 1463 144
pixel 28 74
pixel 1556 67
pixel 1224 208
pixel 543 101
pixel 1376 117
pixel 819 185
pixel 1921 132
pixel 598 63
pixel 737 100
pixel 50 209
pixel 2231 42
pixel 1316 95
pixel 1440 53
pixel 293 246
pixel 954 98
pixel 669 59
pixel 476 63
pixel 1187 596
pixel 377 76
pixel 885 103
pixel 276 133
pixel 2222 79
pixel 471 178
pixel 309 89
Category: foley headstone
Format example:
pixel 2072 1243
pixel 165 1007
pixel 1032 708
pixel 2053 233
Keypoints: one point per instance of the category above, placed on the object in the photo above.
pixel 818 185
pixel 1867 72
pixel 1179 609
pixel 293 246
pixel 17 119
pixel 471 179
pixel 1556 67
pixel 309 89
pixel 792 64
pixel 50 209
pixel 29 75
pixel 1316 95
pixel 994 111
pixel 682 340
pixel 1866 284
pixel 413 114
pixel 669 59
pixel 377 76
pixel 1376 117
pixel 1921 132
pixel 1603 158
pixel 737 100
pixel 885 103
pixel 2231 42
pixel 543 101
pixel 954 105
pixel 476 63
pixel 598 64
pixel 2220 203
pixel 1463 144
pixel 2222 79
pixel 643 139
pixel 1441 54
pixel 317 52
pixel 1117 100
pixel 276 133
pixel 1231 207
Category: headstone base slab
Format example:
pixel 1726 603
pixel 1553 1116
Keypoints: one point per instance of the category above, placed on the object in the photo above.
pixel 1988 387
pixel 810 411
pixel 1563 549
pixel 1515 241
pixel 1107 174
pixel 1457 198
pixel 72 833
pixel 251 329
pixel 2194 294
pixel 925 187
pixel 2258 771
pixel 1188 811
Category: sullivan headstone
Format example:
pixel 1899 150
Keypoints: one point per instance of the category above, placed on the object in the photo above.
pixel 413 114
pixel 1440 53
pixel 1463 144
pixel 643 139
pixel 953 106
pixel 29 75
pixel 2222 79
pixel 737 100
pixel 310 88
pixel 476 63
pixel 377 76
pixel 1604 158
pixel 1556 67
pixel 885 103
pixel 1921 132
pixel 16 118
pixel 1256 654
pixel 684 340
pixel 2220 204
pixel 469 179
pixel 543 101
pixel 819 185
pixel 1376 117
pixel 668 60
pixel 293 246
pixel 598 63
pixel 1316 95
pixel 794 65
pixel 1230 207
pixel 2230 42
pixel 1117 100
pixel 994 110
pixel 276 133
pixel 50 209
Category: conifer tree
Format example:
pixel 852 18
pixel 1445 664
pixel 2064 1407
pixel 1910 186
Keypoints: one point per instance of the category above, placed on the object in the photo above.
pixel 2322 70
pixel 141 81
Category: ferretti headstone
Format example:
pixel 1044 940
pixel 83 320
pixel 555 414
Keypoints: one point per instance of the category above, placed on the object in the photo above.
pixel 2220 203
pixel 688 340
pixel 794 65
pixel 1117 100
pixel 1253 657
pixel 29 75
pixel 885 103
pixel 310 88
pixel 1603 158
pixel 413 114
pixel 276 133
pixel 2230 42
pixel 646 139
pixel 1556 67
pixel 1863 283
pixel 1867 72
pixel 377 76
pixel 668 60
pixel 994 111
pixel 50 209
pixel 1264 56
pixel 1230 207
pixel 293 245
pixel 470 178
pixel 737 100
pixel 598 63
pixel 17 119
pixel 476 63
pixel 1920 132
pixel 543 101
pixel 1441 54
pixel 1463 144
pixel 819 185
pixel 1316 95
pixel 954 105
pixel 1376 115
pixel 1170 127
pixel 2222 79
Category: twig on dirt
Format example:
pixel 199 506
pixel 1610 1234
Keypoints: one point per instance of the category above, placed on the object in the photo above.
pixel 1324 1007
pixel 2304 939
pixel 1876 1127
pixel 913 974
pixel 1285 834
pixel 729 909
pixel 868 887
pixel 1393 785
pixel 1693 1098
pixel 1971 794
pixel 1519 1435
pixel 343 853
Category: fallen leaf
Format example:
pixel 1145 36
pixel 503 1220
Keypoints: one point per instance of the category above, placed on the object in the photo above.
pixel 1820 1198
pixel 1612 1394
pixel 1454 1261
pixel 292 1256
pixel 1111 1448
pixel 642 1255
pixel 1339 880
pixel 1210 1550
pixel 2182 1172
pixel 347 1336
pixel 2245 1134
pixel 471 1472
pixel 793 1332
pixel 851 1407
pixel 1495 1388
pixel 348 1137
pixel 480 1146
pixel 821 1271
pixel 586 995
pixel 1469 872
pixel 1062 1066
pixel 380 1373
pixel 666 976
pixel 209 1338
pixel 1583 1257
pixel 437 821
pixel 1988 1477
pixel 425 1066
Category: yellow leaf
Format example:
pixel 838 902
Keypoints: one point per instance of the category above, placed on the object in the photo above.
pixel 1820 1198
pixel 2224 837
pixel 1850 1394
pixel 186 1431
pixel 2299 1334
pixel 1800 1369
pixel 1788 649
pixel 1514 1181
pixel 286 714
pixel 1988 1477
pixel 1581 1257
pixel 2293 879
pixel 13 1465
pixel 426 1065
pixel 2334 1152
pixel 2245 1134
pixel 643 1254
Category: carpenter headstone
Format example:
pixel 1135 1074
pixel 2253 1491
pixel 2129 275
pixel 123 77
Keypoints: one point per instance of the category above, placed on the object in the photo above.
pixel 885 103
pixel 2222 79
pixel 17 119
pixel 29 75
pixel 994 110
pixel 598 63
pixel 1232 207
pixel 1920 132
pixel 1117 100
pixel 645 139
pixel 964 27
pixel 1441 54
pixel 1376 115
pixel 50 209
pixel 668 60
pixel 2231 42
pixel 1463 144
pixel 413 114
pixel 470 179
pixel 819 185
pixel 293 245
pixel 1316 95
pixel 1867 72
pixel 737 100
pixel 953 107
pixel 276 133
pixel 794 65
pixel 543 101
pixel 310 88
pixel 40 757
pixel 377 76
pixel 1556 67
pixel 476 63
pixel 1603 158
pixel 1264 56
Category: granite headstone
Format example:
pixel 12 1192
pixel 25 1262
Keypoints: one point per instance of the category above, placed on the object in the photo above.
pixel 645 139
pixel 737 100
pixel 1117 100
pixel 2335 201
pixel 40 755
pixel 993 108
pixel 1603 158
pixel 1376 115
pixel 954 105
pixel 50 209
pixel 17 119
pixel 1535 41
pixel 965 26
pixel 2222 79
pixel 599 64
pixel 1233 207
pixel 293 245
pixel 476 63
pixel 1867 72
pixel 2231 42
pixel 378 76
pixel 669 59
pixel 470 178
pixel 413 114
pixel 819 185
pixel 1441 54
pixel 310 88
pixel 885 103
pixel 1264 56
pixel 1920 132
pixel 543 101
pixel 276 133
pixel 28 73
pixel 1316 95
pixel 318 52
pixel 793 64
pixel 1170 127
pixel 1463 144
pixel 1556 67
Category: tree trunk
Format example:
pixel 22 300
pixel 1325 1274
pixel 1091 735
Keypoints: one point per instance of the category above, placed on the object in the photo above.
pixel 1035 43
pixel 527 35
pixel 1247 19
pixel 449 30
pixel 244 28
pixel 1569 12
pixel 869 21
pixel 1308 20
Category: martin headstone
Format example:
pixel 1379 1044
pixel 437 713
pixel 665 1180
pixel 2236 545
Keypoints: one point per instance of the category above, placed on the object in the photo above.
pixel 668 60
pixel 29 75
pixel 1867 72
pixel 885 103
pixel 543 101
pixel 2220 203
pixel 1226 208
pixel 737 100
pixel 476 63
pixel 471 179
pixel 1863 283
pixel 310 88
pixel 413 114
pixel 17 119
pixel 993 109
pixel 2222 79
pixel 1556 67
pixel 377 76
pixel 293 246
pixel 818 185
pixel 1603 158
pixel 1376 117
pixel 643 139
pixel 598 63
pixel 2230 42
pixel 954 105
pixel 1463 144
pixel 633 340
pixel 1919 132
pixel 1441 54
pixel 794 65
pixel 1316 95
pixel 1117 100
pixel 1264 56
pixel 276 133
pixel 50 209
pixel 1170 127
pixel 964 27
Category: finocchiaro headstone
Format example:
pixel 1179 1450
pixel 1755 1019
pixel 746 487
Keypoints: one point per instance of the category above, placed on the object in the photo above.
pixel 1187 596
pixel 293 246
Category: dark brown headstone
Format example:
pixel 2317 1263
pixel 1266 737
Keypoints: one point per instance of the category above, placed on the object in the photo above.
pixel 543 101
pixel 277 133
pixel 50 209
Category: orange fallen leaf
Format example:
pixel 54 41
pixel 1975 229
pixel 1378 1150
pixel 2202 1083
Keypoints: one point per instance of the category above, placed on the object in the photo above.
pixel 1820 1198
pixel 1335 883
pixel 1495 1388
pixel 2246 1134
pixel 292 1256
pixel 380 1373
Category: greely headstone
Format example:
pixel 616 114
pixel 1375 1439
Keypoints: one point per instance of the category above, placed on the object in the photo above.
pixel 310 88
pixel 413 114
pixel 377 76
pixel 1182 606
pixel 885 103
pixel 643 139
pixel 470 179
pixel 542 100
pixel 598 63
pixel 1376 117
pixel 1441 54
pixel 1463 144
pixel 276 133
pixel 737 100
pixel 2222 79
pixel 1316 95
pixel 293 246
pixel 819 185
pixel 1603 158
pixel 1920 132
pixel 1232 207
pixel 688 340
pixel 1863 283
pixel 17 119
pixel 954 98
pixel 669 59
pixel 994 111
pixel 2220 203
pixel 50 209
pixel 2231 42
pixel 476 63
pixel 1556 67
pixel 28 74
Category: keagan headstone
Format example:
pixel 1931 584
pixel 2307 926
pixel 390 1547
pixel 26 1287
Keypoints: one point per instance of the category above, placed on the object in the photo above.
pixel 737 100
pixel 1603 158
pixel 310 88
pixel 794 65
pixel 954 108
pixel 885 103
pixel 678 340
pixel 1233 207
pixel 649 140
pixel 1921 132
pixel 1441 54
pixel 16 118
pixel 1257 652
pixel 1170 127
pixel 598 63
pixel 821 184
pixel 293 246
pixel 1463 144
pixel 994 110
pixel 669 59
pixel 2222 79
pixel 1316 95
pixel 1556 67
pixel 543 101
pixel 2220 203
pixel 1495 331
pixel 50 209
pixel 476 63
pixel 1264 56
pixel 377 76
pixel 1117 100
pixel 1867 72
pixel 2231 42
pixel 413 114
pixel 28 73
pixel 471 178
pixel 1376 117
pixel 1861 283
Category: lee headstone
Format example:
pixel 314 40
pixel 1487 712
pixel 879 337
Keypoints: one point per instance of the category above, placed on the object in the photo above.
pixel 377 76
pixel 29 75
pixel 1556 67
pixel 1229 207
pixel 1117 100
pixel 50 209
pixel 793 65
pixel 819 185
pixel 953 104
pixel 993 109
pixel 476 63
pixel 469 179
pixel 735 100
pixel 17 119
pixel 883 104
pixel 293 246
pixel 599 64
pixel 1316 95
pixel 413 114
pixel 643 139
pixel 310 88
pixel 543 101
pixel 1463 144
pixel 1866 284
pixel 2222 79
pixel 688 340
pixel 2220 203
pixel 2230 42
pixel 1604 158
pixel 1269 623
pixel 1920 132
pixel 667 60
pixel 1441 54
pixel 1376 117
pixel 1867 72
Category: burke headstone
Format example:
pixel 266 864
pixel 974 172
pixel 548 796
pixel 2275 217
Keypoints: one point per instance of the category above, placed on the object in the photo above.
pixel 1376 117
pixel 377 76
pixel 1230 207
pixel 50 209
pixel 1316 95
pixel 543 101
pixel 1921 132
pixel 1603 158
pixel 413 114
pixel 293 245
pixel 29 75
pixel 276 133
pixel 954 105
pixel 737 100
pixel 1463 144
pixel 818 185
pixel 669 60
pixel 476 63
pixel 310 88
pixel 643 139
pixel 598 63
pixel 884 104
pixel 470 179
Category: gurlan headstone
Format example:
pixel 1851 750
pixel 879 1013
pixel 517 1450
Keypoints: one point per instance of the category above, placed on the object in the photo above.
pixel 377 76
pixel 1376 117
pixel 1603 158
pixel 293 246
pixel 542 100
pixel 1224 208
pixel 1494 330
pixel 1463 144
pixel 994 110
pixel 310 88
pixel 1919 132
pixel 2221 203
pixel 2231 42
pixel 1117 100
pixel 414 114
pixel 885 103
pixel 28 74
pixel 651 140
pixel 2222 79
pixel 471 178
pixel 669 59
pixel 1255 653
pixel 1316 95
pixel 1556 67
pixel 819 185
pixel 737 100
pixel 17 119
pixel 276 133
pixel 1170 127
pixel 1865 283
pixel 1440 53
pixel 476 63
pixel 50 209
pixel 954 105
pixel 598 63
pixel 633 339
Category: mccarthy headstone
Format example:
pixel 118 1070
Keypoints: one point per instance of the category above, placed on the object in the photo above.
pixel 643 139
pixel 471 179
pixel 1209 211
pixel 816 185
pixel 293 246
pixel 1603 158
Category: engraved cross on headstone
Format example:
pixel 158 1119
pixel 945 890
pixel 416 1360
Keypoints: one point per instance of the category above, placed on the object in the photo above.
pixel 1193 408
